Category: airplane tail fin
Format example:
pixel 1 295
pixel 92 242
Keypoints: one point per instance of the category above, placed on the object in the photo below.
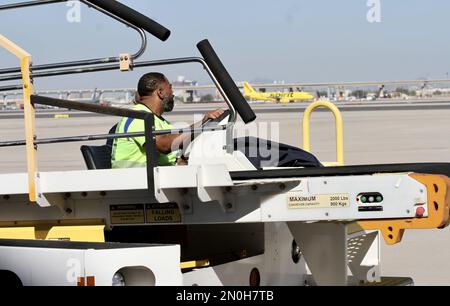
pixel 248 89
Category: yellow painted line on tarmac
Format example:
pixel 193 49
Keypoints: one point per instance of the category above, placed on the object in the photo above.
pixel 61 116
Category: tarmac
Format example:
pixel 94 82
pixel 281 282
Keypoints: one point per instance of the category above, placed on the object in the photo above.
pixel 370 137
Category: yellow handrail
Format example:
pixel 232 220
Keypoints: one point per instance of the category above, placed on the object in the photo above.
pixel 29 112
pixel 339 130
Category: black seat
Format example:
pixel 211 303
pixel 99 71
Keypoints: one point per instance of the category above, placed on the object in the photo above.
pixel 98 157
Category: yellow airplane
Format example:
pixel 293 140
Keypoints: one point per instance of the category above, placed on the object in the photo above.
pixel 276 96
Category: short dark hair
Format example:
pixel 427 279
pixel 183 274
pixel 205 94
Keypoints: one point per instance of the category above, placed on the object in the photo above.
pixel 150 82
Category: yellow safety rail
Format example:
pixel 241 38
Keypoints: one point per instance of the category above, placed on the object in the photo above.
pixel 339 130
pixel 29 111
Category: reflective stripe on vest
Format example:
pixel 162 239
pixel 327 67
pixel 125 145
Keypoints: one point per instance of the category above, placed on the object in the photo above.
pixel 127 124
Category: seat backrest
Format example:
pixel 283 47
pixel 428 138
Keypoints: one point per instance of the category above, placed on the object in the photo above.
pixel 99 157
pixel 112 130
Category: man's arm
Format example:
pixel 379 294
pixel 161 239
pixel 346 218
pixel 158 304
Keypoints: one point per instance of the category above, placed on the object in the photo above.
pixel 168 143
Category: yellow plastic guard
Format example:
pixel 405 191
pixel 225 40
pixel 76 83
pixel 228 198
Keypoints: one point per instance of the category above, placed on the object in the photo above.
pixel 26 233
pixel 91 233
pixel 438 189
pixel 71 230
pixel 195 264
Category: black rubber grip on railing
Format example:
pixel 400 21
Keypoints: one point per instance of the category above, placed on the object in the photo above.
pixel 225 80
pixel 88 107
pixel 133 17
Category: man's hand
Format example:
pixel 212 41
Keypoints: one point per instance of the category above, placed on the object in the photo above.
pixel 212 115
pixel 182 161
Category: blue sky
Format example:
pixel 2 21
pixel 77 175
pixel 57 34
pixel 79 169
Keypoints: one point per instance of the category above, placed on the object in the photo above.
pixel 291 40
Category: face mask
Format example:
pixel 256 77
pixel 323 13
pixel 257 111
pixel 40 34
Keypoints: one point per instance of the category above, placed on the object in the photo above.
pixel 169 103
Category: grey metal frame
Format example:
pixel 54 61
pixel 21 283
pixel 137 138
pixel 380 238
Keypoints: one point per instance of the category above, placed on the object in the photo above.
pixel 10 87
pixel 150 133
pixel 28 3
pixel 17 143
pixel 149 123
pixel 233 115
pixel 175 61
pixel 89 62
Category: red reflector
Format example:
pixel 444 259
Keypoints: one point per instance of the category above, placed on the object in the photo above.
pixel 420 211
pixel 90 281
pixel 80 282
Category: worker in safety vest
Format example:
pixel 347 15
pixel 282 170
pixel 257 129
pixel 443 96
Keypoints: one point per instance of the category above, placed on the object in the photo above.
pixel 154 95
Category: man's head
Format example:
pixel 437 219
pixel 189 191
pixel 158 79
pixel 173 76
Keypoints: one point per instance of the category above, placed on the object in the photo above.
pixel 156 85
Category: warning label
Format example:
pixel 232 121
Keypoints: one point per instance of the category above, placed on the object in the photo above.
pixel 127 214
pixel 298 201
pixel 163 213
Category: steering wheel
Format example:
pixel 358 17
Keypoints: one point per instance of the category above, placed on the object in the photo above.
pixel 208 123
